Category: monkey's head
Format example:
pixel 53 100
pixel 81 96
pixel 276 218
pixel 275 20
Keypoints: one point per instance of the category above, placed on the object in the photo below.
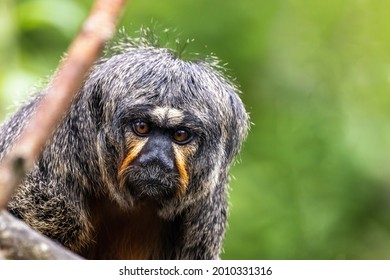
pixel 167 129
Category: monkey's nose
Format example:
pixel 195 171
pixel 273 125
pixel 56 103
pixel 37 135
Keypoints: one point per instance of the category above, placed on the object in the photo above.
pixel 158 152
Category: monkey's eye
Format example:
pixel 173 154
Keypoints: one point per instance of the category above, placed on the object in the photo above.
pixel 141 128
pixel 182 136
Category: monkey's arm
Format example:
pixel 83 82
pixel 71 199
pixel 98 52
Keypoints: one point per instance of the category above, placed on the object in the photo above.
pixel 204 227
pixel 49 210
pixel 43 200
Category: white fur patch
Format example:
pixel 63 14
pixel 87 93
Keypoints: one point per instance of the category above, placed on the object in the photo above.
pixel 169 115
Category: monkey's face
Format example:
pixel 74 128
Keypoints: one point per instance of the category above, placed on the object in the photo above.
pixel 159 145
pixel 168 129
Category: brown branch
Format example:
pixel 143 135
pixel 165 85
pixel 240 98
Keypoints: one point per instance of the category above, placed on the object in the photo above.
pixel 97 29
pixel 19 241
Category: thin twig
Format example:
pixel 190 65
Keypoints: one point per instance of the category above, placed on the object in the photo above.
pixel 97 29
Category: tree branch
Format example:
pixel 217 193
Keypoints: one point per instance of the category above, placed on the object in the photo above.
pixel 17 240
pixel 97 29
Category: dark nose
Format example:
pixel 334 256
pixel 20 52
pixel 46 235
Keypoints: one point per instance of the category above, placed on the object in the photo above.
pixel 158 152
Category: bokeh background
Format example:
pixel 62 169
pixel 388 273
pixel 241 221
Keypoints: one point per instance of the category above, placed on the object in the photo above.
pixel 313 178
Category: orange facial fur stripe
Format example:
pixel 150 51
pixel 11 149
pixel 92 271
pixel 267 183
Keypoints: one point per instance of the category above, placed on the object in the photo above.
pixel 134 149
pixel 181 166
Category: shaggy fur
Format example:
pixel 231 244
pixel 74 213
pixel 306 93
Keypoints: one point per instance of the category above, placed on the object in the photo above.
pixel 77 194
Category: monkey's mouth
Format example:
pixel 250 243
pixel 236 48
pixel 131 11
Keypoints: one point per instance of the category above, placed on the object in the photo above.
pixel 151 183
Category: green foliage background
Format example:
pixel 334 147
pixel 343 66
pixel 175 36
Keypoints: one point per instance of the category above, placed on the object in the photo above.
pixel 313 178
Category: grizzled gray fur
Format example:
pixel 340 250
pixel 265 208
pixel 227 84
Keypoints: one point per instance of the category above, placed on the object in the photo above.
pixel 77 194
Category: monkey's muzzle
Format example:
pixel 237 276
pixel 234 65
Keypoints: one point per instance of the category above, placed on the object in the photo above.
pixel 151 183
pixel 153 173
